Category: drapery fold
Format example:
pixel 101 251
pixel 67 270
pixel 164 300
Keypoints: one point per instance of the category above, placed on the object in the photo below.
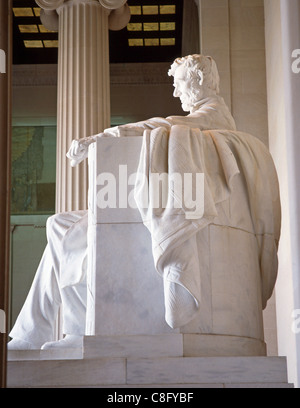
pixel 175 157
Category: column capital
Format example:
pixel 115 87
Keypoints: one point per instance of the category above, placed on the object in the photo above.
pixel 49 4
pixel 55 4
pixel 118 10
pixel 112 4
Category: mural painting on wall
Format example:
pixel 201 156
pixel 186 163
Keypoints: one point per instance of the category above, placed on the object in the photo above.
pixel 30 195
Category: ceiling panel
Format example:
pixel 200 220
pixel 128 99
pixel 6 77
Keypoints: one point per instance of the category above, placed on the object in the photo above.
pixel 153 34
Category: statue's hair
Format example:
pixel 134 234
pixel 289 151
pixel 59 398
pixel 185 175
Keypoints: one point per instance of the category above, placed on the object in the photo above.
pixel 201 68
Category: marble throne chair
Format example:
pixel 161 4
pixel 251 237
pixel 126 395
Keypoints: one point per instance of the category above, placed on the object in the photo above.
pixel 128 341
pixel 125 293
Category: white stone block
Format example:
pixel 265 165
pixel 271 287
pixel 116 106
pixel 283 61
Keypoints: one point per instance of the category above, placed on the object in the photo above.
pixel 163 386
pixel 62 354
pixel 119 158
pixel 260 385
pixel 51 354
pixel 166 345
pixel 125 291
pixel 207 370
pixel 158 372
pixel 204 345
pixel 23 355
pixel 66 373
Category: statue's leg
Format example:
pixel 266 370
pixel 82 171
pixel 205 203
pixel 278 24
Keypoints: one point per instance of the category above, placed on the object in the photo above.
pixel 73 316
pixel 35 323
pixel 74 308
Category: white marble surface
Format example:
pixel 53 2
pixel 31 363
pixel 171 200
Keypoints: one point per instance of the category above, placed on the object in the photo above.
pixel 236 283
pixel 123 283
pixel 54 354
pixel 118 157
pixel 23 355
pixel 166 345
pixel 126 294
pixel 64 373
pixel 178 372
pixel 204 345
pixel 207 370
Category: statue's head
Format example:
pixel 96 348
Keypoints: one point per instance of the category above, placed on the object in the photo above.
pixel 195 77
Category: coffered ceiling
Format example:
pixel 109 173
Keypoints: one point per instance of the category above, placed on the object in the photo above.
pixel 154 34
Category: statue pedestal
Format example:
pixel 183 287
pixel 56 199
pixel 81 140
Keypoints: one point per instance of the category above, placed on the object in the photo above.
pixel 125 293
pixel 136 362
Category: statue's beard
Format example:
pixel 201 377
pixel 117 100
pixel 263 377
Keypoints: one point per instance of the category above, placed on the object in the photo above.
pixel 188 101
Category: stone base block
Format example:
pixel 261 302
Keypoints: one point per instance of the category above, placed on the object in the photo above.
pixel 179 372
pixel 165 345
pixel 55 354
pixel 205 345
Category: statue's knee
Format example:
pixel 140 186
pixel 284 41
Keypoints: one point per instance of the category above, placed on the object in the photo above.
pixel 52 221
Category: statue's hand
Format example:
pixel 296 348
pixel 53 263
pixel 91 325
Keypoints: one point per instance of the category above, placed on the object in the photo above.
pixel 78 151
pixel 79 148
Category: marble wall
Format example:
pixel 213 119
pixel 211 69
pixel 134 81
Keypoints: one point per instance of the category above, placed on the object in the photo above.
pixel 215 40
pixel 233 33
pixel 248 69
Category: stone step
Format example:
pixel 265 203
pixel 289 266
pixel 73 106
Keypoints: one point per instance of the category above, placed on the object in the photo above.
pixel 55 354
pixel 135 346
pixel 195 372
pixel 144 346
pixel 171 345
pixel 207 370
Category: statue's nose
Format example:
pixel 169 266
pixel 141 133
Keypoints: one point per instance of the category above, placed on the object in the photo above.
pixel 176 93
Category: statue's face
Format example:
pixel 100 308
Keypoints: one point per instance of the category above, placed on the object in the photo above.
pixel 187 89
pixel 182 88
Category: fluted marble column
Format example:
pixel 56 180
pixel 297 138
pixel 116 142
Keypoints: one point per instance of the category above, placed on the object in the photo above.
pixel 83 83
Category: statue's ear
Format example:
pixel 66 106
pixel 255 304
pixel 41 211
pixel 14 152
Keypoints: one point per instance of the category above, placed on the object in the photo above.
pixel 210 60
pixel 201 76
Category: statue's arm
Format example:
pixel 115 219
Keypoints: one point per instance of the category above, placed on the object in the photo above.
pixel 137 129
pixel 79 148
